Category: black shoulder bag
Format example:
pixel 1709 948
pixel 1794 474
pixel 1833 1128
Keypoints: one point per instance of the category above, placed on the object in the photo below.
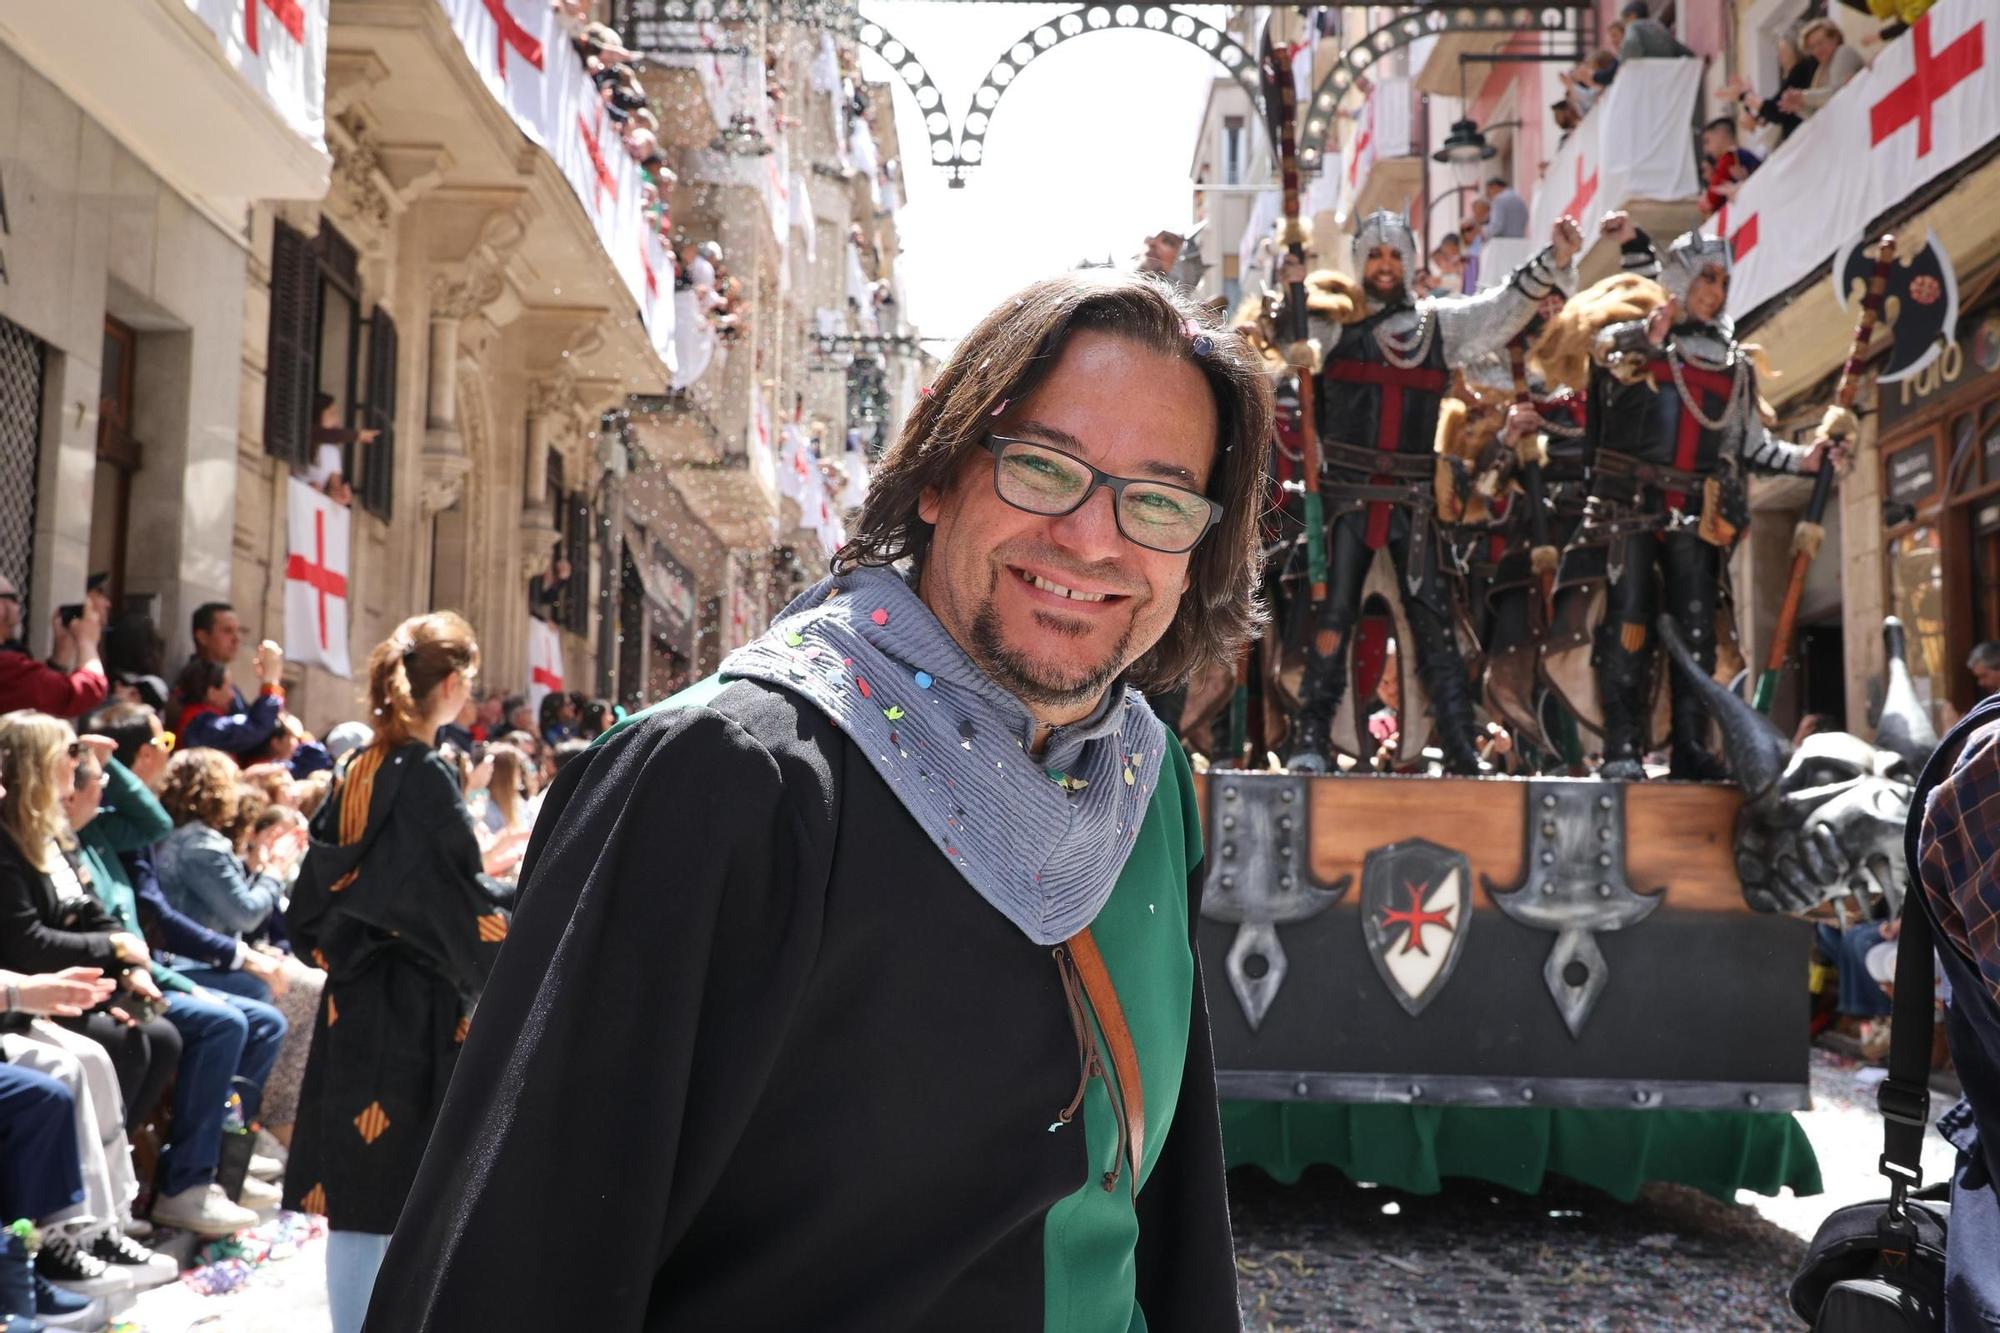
pixel 1879 1267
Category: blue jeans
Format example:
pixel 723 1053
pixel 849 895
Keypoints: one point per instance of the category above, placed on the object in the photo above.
pixel 353 1258
pixel 222 1039
pixel 40 1173
pixel 228 981
pixel 1860 996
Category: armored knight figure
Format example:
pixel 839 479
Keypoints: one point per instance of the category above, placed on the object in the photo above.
pixel 1379 382
pixel 1673 420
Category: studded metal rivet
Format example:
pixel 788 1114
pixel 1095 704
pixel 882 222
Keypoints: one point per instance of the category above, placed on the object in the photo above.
pixel 1284 823
pixel 1549 801
pixel 1228 822
pixel 1284 851
pixel 1548 890
pixel 1527 1094
pixel 1286 796
pixel 1302 1088
pixel 1603 802
pixel 1229 881
pixel 1604 890
pixel 1228 851
pixel 1416 1091
pixel 1752 1099
pixel 1229 793
pixel 1604 859
pixel 1548 858
pixel 1548 830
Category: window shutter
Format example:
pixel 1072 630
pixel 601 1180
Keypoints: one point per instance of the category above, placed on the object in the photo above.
pixel 289 376
pixel 378 460
pixel 576 595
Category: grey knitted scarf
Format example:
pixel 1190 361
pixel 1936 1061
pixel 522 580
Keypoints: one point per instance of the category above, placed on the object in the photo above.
pixel 1042 838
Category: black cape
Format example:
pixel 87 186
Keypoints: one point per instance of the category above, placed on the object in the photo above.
pixel 756 1057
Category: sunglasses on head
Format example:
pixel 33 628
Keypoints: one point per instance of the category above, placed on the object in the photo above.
pixel 165 741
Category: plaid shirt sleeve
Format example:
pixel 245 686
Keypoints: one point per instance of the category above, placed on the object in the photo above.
pixel 1958 853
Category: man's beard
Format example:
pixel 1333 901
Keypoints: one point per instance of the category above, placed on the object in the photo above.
pixel 1387 290
pixel 1028 680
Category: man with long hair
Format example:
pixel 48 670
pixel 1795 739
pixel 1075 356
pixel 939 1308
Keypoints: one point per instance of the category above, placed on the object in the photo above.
pixel 854 988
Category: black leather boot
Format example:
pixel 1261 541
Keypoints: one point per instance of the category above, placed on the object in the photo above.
pixel 1311 748
pixel 1692 760
pixel 1443 672
pixel 1620 680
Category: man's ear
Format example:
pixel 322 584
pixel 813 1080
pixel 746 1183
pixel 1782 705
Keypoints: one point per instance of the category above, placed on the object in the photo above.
pixel 930 502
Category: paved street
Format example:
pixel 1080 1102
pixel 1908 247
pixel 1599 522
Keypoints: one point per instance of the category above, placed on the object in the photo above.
pixel 1327 1254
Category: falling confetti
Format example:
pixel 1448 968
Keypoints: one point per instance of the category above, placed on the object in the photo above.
pixel 923 679
pixel 879 615
pixel 863 686
pixel 894 712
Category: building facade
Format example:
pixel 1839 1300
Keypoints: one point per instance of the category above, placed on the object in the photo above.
pixel 400 243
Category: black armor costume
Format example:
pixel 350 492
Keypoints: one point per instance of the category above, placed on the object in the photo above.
pixel 1669 427
pixel 1380 382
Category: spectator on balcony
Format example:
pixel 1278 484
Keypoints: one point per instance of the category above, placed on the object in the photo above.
pixel 328 472
pixel 1796 70
pixel 1729 164
pixel 1509 211
pixel 1836 62
pixel 1646 38
pixel 1567 118
pixel 545 590
pixel 72 682
pixel 1447 264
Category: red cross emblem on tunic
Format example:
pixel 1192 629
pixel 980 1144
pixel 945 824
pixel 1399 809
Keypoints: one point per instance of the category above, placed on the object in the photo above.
pixel 1586 190
pixel 1714 388
pixel 290 14
pixel 512 34
pixel 314 574
pixel 602 178
pixel 547 679
pixel 1916 97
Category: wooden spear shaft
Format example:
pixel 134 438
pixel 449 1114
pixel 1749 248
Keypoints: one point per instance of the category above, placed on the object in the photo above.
pixel 1806 537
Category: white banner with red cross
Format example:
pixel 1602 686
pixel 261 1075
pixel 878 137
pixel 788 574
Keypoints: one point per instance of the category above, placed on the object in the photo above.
pixel 316 570
pixel 1930 101
pixel 279 47
pixel 521 51
pixel 545 662
pixel 1626 149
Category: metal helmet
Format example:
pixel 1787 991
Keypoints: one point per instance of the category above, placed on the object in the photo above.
pixel 1383 227
pixel 1684 260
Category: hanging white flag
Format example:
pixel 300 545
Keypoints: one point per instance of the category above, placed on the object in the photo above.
pixel 316 572
pixel 545 662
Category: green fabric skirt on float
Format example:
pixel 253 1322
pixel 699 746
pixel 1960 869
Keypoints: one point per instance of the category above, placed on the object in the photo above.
pixel 1415 1148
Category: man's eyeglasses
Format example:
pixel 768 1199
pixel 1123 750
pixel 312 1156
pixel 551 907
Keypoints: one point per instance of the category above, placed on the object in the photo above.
pixel 1154 514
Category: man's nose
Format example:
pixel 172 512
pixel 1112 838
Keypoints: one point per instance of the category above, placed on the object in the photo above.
pixel 1091 529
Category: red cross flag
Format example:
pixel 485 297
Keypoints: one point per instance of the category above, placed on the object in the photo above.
pixel 545 661
pixel 1928 104
pixel 316 581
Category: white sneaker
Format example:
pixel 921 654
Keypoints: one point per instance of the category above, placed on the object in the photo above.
pixel 204 1210
pixel 260 1196
pixel 266 1168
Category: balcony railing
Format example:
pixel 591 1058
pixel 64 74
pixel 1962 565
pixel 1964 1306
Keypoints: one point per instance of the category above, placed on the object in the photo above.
pixel 1383 164
pixel 224 107
pixel 1928 105
pixel 1629 153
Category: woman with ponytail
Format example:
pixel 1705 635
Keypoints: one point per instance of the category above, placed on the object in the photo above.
pixel 392 900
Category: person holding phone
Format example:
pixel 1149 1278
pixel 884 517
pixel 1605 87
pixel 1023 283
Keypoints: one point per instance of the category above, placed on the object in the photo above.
pixel 69 685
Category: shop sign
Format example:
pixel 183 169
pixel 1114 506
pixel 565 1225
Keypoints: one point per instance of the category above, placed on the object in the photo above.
pixel 673 595
pixel 1975 351
pixel 1912 474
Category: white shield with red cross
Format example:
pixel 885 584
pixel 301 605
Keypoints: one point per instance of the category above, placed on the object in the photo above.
pixel 316 569
pixel 1416 904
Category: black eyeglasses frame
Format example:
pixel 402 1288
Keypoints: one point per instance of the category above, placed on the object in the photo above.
pixel 995 443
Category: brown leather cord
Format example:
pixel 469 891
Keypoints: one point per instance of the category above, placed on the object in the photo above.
pixel 1128 1099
